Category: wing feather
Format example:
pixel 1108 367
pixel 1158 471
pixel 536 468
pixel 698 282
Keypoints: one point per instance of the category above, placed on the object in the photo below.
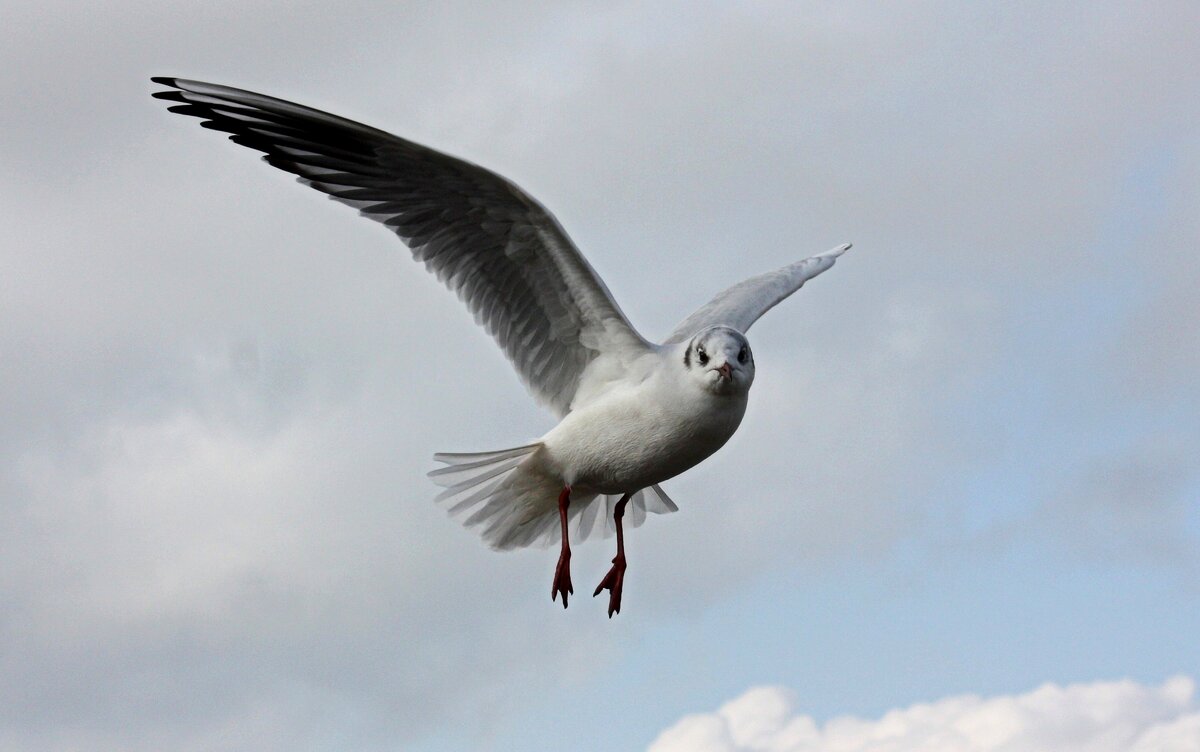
pixel 741 305
pixel 501 251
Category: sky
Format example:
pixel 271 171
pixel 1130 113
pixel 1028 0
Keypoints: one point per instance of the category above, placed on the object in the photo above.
pixel 963 509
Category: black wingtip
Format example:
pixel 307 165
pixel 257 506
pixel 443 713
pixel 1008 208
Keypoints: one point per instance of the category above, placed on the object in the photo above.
pixel 172 94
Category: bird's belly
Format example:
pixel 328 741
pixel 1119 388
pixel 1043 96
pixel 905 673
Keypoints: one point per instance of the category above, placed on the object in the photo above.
pixel 623 445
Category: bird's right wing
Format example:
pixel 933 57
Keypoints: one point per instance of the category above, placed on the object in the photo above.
pixel 490 242
pixel 741 305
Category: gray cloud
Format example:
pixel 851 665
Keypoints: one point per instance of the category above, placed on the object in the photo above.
pixel 1129 505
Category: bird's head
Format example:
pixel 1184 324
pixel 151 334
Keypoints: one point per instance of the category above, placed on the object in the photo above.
pixel 719 359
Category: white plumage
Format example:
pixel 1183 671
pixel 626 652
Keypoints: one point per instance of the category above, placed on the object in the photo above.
pixel 633 413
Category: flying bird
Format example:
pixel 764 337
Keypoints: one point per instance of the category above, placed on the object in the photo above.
pixel 632 413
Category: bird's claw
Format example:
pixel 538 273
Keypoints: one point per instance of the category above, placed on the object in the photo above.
pixel 612 582
pixel 562 578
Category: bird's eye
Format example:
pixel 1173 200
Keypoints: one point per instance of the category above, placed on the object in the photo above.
pixel 703 356
pixel 742 355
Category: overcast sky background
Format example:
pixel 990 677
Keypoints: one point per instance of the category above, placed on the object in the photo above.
pixel 969 465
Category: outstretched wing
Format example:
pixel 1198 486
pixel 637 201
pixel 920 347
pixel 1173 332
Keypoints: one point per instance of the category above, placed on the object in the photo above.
pixel 504 254
pixel 742 305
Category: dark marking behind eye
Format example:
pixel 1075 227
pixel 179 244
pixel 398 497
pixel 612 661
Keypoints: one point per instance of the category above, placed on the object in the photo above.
pixel 687 357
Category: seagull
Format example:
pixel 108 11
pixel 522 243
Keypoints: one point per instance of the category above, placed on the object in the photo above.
pixel 632 413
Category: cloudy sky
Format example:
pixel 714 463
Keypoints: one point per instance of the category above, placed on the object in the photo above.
pixel 964 505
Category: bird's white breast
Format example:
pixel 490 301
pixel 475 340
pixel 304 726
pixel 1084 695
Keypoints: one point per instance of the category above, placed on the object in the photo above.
pixel 641 430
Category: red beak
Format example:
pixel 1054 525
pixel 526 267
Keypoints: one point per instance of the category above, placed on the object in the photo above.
pixel 726 372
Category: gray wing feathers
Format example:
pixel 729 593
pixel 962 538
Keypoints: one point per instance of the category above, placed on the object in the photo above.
pixel 487 240
pixel 743 304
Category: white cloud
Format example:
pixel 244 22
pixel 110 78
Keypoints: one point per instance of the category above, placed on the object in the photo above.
pixel 1117 716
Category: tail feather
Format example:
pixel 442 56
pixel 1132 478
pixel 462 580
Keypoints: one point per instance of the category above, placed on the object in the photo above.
pixel 470 459
pixel 657 500
pixel 597 517
pixel 468 478
pixel 461 506
pixel 511 499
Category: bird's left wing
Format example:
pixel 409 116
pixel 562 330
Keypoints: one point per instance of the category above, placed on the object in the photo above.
pixel 742 305
pixel 503 253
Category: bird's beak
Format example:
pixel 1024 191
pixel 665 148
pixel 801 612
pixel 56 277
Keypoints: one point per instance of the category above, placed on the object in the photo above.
pixel 725 371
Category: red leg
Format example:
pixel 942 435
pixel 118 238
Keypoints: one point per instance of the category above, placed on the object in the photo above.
pixel 562 573
pixel 616 576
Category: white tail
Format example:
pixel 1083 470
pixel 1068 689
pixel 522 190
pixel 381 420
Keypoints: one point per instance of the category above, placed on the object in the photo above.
pixel 513 501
